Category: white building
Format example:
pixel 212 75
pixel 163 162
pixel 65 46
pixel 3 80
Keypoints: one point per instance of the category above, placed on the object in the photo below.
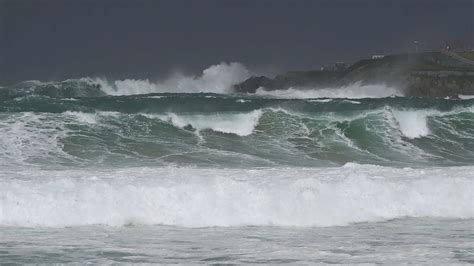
pixel 378 56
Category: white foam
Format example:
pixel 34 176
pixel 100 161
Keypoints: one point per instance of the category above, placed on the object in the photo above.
pixel 354 91
pixel 31 138
pixel 216 79
pixel 413 124
pixel 242 101
pixel 353 102
pixel 85 118
pixel 320 101
pixel 219 197
pixel 69 99
pixel 89 118
pixel 242 124
pixel 25 137
pixel 465 97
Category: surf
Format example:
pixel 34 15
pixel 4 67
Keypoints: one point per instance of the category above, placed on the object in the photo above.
pixel 193 197
pixel 259 132
pixel 354 91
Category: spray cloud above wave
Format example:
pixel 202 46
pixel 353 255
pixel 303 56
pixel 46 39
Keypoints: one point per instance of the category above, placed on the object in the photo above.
pixel 215 79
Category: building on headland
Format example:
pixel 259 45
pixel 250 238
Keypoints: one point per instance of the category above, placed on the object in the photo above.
pixel 377 56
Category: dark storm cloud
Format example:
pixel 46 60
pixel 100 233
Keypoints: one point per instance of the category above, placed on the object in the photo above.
pixel 53 40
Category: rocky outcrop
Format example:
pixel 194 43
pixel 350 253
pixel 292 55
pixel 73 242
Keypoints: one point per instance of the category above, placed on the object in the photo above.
pixel 440 83
pixel 432 74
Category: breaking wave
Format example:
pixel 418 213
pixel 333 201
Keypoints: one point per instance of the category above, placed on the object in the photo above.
pixel 215 79
pixel 206 159
pixel 239 124
pixel 413 124
pixel 466 97
pixel 218 79
pixel 217 197
pixel 354 91
pixel 211 130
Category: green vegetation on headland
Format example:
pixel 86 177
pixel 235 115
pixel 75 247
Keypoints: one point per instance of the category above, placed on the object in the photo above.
pixel 429 74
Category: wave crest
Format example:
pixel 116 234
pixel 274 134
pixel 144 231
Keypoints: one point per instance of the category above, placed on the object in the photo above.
pixel 242 124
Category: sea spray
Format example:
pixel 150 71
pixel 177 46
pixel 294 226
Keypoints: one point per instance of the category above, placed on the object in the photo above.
pixel 216 79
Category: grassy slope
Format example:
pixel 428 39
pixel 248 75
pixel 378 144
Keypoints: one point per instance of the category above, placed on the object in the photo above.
pixel 467 55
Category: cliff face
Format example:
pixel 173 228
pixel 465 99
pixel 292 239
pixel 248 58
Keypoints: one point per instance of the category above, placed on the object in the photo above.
pixel 433 74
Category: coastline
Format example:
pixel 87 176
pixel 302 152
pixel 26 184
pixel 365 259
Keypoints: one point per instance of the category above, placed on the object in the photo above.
pixel 429 74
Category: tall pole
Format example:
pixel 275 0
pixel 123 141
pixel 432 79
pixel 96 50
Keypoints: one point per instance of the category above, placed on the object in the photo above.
pixel 416 46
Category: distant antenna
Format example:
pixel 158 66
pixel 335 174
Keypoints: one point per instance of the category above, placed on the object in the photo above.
pixel 416 46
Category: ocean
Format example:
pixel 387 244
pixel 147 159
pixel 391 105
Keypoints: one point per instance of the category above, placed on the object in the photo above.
pixel 131 173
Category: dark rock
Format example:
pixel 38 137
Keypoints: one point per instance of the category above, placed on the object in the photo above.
pixel 252 84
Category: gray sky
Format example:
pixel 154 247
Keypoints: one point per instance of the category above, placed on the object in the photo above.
pixel 55 40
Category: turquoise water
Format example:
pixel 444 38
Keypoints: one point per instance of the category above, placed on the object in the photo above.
pixel 90 176
pixel 211 130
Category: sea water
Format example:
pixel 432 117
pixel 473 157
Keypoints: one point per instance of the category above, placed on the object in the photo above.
pixel 207 176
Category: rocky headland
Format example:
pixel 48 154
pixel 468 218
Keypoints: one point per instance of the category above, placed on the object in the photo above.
pixel 429 74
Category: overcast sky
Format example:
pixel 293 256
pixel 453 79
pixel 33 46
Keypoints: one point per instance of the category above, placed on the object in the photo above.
pixel 55 40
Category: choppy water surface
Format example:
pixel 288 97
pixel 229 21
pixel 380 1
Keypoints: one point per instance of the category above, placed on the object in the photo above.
pixel 233 131
pixel 419 241
pixel 88 174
